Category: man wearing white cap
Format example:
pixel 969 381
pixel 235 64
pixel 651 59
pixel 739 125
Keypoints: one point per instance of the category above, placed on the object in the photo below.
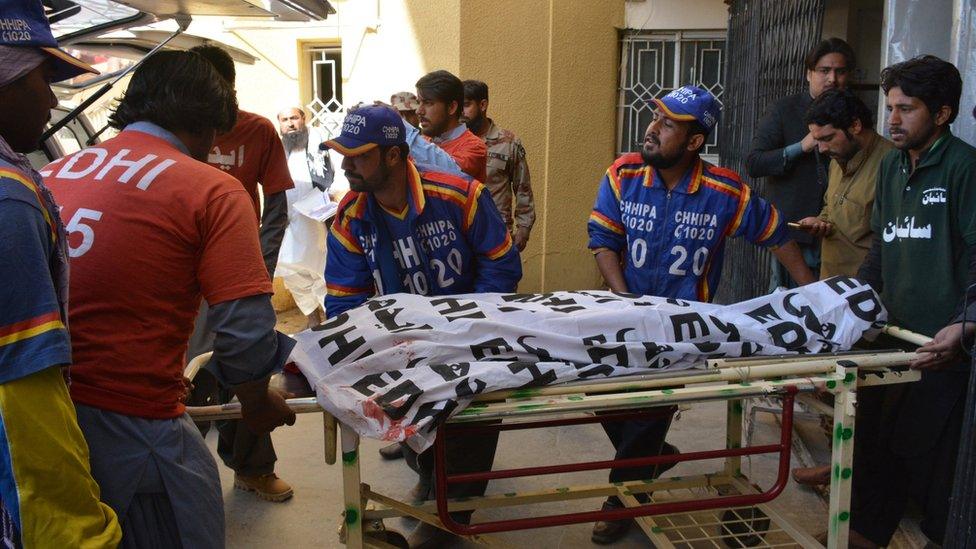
pixel 47 492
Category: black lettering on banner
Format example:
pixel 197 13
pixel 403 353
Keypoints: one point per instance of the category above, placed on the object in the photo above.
pixel 651 350
pixel 493 348
pixel 764 314
pixel 450 372
pixel 749 348
pixel 387 318
pixel 597 353
pixel 708 347
pixel 678 302
pixel 344 347
pixel 865 305
pixel 599 298
pixel 561 305
pixel 525 298
pixel 538 377
pixel 463 389
pixel 693 321
pixel 376 304
pixel 622 334
pixel 432 410
pixel 542 354
pixel 457 309
pixel 789 335
pixel 730 330
pixel 415 362
pixel 513 310
pixel 626 295
pixel 397 401
pixel 840 284
pixel 805 312
pixel 371 384
pixel 589 370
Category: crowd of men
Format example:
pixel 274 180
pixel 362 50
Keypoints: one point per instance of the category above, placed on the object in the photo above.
pixel 178 249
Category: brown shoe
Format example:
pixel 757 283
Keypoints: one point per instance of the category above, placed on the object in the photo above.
pixel 392 451
pixel 268 487
pixel 606 532
pixel 812 476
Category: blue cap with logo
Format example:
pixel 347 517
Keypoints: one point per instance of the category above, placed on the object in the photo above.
pixel 366 128
pixel 23 24
pixel 691 103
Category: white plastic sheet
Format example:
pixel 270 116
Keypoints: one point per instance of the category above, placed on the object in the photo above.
pixel 396 367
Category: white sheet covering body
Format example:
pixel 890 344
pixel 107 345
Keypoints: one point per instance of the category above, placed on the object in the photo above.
pixel 396 367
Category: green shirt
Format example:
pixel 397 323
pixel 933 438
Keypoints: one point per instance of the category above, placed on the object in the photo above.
pixel 927 222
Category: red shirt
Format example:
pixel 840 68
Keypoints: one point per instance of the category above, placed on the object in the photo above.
pixel 470 153
pixel 252 152
pixel 150 231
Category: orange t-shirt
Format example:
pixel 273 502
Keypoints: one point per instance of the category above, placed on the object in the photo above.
pixel 150 230
pixel 470 153
pixel 252 152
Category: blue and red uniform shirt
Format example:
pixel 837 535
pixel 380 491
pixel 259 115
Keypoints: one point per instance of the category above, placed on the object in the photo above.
pixel 672 242
pixel 450 239
pixel 33 335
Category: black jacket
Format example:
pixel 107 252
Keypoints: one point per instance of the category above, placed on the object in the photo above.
pixel 796 188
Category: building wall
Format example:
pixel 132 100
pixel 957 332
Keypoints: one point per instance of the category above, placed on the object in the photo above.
pixel 553 82
pixel 676 14
pixel 552 70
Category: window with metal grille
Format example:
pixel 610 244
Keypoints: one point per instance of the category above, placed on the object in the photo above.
pixel 654 63
pixel 324 69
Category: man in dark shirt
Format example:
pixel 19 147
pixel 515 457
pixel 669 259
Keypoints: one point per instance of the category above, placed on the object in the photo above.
pixel 784 152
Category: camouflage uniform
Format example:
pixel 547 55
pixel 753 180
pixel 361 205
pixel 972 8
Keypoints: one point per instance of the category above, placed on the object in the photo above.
pixel 507 173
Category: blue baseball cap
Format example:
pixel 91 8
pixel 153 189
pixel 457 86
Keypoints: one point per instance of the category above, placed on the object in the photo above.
pixel 366 128
pixel 23 24
pixel 690 103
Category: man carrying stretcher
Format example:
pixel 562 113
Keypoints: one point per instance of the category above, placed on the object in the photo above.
pixel 659 227
pixel 405 228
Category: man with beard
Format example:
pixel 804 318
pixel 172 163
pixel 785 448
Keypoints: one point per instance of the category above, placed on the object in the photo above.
pixel 507 171
pixel 441 97
pixel 251 151
pixel 659 227
pixel 403 228
pixel 843 127
pixel 48 497
pixel 922 259
pixel 301 260
pixel 785 152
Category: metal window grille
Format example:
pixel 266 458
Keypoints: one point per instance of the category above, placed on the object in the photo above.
pixel 768 40
pixel 654 63
pixel 325 108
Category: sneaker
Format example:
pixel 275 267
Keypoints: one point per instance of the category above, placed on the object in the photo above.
pixel 268 487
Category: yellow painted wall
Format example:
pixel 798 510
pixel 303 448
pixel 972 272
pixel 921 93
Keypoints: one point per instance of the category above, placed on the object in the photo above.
pixel 551 67
pixel 552 70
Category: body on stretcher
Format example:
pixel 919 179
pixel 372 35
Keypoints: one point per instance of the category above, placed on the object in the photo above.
pixel 732 504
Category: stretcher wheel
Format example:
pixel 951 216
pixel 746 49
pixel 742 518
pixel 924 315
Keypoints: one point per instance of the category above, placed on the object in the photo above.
pixel 743 527
pixel 389 537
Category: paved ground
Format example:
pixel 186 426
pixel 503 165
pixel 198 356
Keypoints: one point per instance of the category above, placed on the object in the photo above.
pixel 312 517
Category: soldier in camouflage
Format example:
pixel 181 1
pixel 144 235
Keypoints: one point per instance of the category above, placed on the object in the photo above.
pixel 508 172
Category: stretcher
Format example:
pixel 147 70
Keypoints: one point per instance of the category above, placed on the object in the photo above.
pixel 721 508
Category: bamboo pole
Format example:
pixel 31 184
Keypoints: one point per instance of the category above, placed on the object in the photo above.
pixel 906 335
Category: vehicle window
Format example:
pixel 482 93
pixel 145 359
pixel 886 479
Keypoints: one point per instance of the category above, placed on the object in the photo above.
pixel 70 139
pixel 86 14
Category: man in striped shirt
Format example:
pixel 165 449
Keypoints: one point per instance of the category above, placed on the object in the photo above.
pixel 659 227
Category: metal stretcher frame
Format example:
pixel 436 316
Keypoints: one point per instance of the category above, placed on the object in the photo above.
pixel 664 521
